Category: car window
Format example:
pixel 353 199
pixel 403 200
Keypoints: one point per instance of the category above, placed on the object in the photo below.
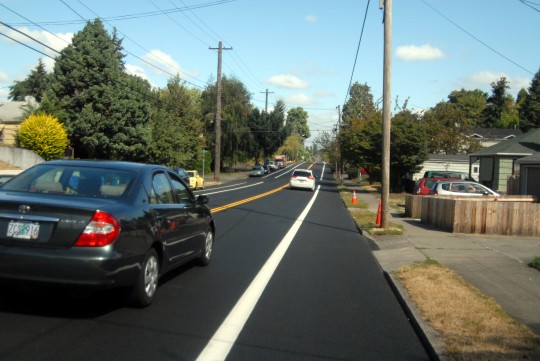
pixel 301 173
pixel 72 181
pixel 445 186
pixel 181 193
pixel 162 189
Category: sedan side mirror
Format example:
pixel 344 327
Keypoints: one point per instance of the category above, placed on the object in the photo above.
pixel 202 199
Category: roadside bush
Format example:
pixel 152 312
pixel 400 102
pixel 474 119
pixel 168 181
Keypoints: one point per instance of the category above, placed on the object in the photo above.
pixel 352 172
pixel 44 135
pixel 535 263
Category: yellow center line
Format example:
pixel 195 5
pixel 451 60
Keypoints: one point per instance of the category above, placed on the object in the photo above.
pixel 231 205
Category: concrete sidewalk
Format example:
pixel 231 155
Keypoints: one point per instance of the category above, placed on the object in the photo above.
pixel 496 265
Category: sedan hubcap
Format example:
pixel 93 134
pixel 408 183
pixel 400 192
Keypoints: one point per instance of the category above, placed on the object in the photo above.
pixel 151 276
pixel 208 245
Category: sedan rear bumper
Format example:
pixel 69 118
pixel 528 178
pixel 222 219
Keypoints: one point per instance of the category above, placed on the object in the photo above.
pixel 86 267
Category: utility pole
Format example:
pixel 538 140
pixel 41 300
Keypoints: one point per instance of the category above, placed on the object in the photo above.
pixel 387 78
pixel 266 104
pixel 217 158
pixel 339 164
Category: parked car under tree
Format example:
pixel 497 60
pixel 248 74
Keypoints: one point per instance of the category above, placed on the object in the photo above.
pixel 101 224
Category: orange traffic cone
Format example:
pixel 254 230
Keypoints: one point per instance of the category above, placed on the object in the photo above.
pixel 354 201
pixel 379 212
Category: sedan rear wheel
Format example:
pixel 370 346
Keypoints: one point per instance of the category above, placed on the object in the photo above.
pixel 206 252
pixel 144 291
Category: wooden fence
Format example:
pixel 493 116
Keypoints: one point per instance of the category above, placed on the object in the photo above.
pixel 506 215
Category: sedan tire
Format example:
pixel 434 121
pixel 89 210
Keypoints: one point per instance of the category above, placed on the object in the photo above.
pixel 208 246
pixel 144 291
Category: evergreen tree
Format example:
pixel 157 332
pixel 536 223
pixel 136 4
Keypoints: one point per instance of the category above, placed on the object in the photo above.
pixel 107 112
pixel 529 111
pixel 34 85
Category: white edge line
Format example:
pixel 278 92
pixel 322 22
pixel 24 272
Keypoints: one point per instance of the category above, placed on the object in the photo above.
pixel 223 340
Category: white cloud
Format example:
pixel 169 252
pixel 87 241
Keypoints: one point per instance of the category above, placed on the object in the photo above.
pixel 311 18
pixel 164 64
pixel 298 100
pixel 3 77
pixel 482 80
pixel 55 41
pixel 418 53
pixel 136 70
pixel 4 92
pixel 288 81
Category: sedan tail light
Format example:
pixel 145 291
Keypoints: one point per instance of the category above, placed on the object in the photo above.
pixel 310 177
pixel 293 176
pixel 102 230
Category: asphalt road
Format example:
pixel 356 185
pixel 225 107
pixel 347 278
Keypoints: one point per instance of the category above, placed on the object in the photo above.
pixel 291 279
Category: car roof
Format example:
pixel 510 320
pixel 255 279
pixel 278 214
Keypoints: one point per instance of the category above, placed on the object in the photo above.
pixel 113 164
pixel 457 181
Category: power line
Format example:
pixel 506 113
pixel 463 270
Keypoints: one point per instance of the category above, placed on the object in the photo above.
pixel 39 26
pixel 477 39
pixel 357 50
pixel 530 4
pixel 148 51
pixel 28 46
pixel 134 16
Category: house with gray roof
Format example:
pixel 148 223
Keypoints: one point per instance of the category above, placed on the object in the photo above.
pixel 491 136
pixel 499 163
pixel 448 162
pixel 11 116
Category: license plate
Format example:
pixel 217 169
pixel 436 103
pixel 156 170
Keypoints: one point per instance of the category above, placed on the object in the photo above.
pixel 23 230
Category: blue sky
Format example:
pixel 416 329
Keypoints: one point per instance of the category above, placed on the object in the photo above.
pixel 302 51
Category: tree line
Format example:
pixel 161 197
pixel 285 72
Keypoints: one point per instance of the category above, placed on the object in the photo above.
pixel 445 128
pixel 110 114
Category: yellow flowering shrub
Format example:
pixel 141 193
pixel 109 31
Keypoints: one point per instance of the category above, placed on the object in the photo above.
pixel 44 135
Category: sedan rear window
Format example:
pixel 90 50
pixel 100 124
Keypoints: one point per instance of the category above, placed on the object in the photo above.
pixel 73 181
pixel 301 174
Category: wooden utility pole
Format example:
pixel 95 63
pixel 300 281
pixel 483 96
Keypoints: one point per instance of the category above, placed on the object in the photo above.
pixel 266 104
pixel 339 165
pixel 387 78
pixel 217 143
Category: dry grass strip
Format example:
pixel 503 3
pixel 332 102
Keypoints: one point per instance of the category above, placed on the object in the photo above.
pixel 470 325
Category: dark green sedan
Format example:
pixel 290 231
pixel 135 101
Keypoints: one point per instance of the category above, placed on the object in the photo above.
pixel 101 224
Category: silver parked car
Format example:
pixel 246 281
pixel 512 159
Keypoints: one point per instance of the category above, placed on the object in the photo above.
pixel 461 188
pixel 257 171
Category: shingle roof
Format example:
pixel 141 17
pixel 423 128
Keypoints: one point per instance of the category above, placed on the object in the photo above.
pixel 523 145
pixel 494 133
pixel 532 159
pixel 13 112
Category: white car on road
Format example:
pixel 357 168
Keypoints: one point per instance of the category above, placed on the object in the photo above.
pixel 303 178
